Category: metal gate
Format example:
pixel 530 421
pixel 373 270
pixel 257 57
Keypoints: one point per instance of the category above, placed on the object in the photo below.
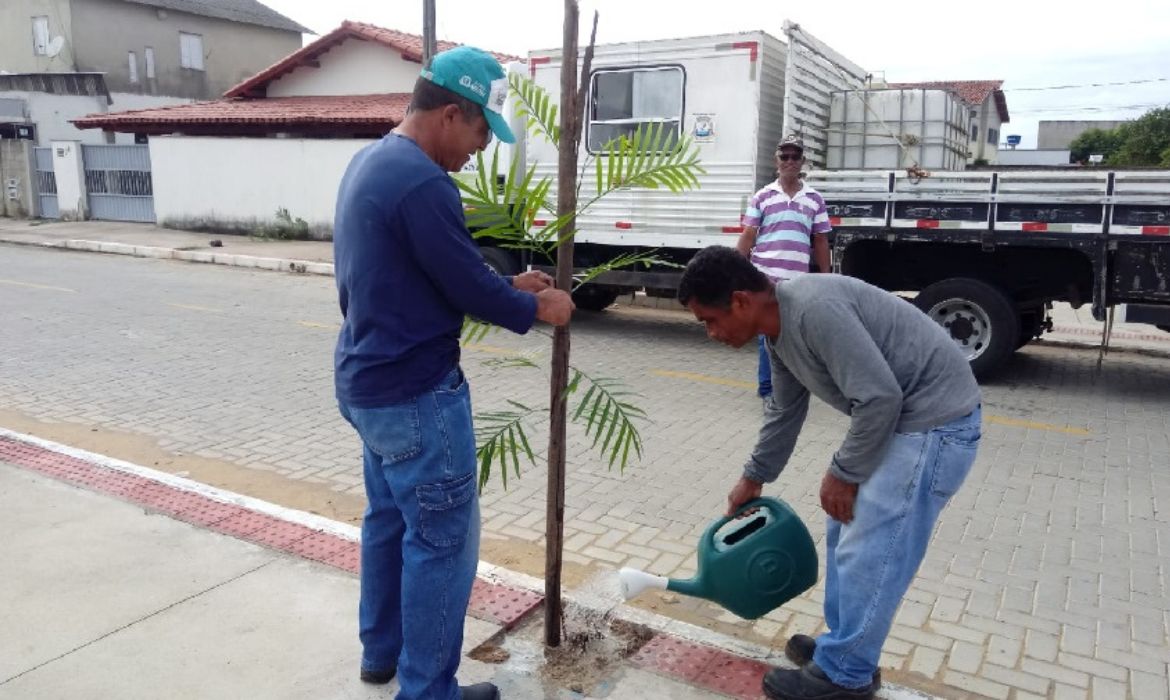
pixel 46 184
pixel 117 180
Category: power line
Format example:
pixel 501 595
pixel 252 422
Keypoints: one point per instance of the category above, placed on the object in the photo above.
pixel 1088 85
pixel 1102 108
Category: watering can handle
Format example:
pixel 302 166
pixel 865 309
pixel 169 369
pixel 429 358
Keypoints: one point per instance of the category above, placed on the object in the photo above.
pixel 765 503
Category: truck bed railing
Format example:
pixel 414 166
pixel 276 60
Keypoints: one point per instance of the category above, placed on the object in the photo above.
pixel 1088 201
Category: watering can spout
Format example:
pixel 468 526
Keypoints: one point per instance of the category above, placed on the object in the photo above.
pixel 634 582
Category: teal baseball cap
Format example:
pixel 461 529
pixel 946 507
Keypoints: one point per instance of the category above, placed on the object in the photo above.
pixel 476 75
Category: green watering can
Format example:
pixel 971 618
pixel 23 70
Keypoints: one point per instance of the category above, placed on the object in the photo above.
pixel 751 569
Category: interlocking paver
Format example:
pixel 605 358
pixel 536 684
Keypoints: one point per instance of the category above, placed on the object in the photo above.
pixel 1051 560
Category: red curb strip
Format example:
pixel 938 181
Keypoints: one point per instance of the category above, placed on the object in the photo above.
pixel 704 666
pixel 490 602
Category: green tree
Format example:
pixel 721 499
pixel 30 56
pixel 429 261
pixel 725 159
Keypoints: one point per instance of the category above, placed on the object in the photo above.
pixel 1105 142
pixel 1145 141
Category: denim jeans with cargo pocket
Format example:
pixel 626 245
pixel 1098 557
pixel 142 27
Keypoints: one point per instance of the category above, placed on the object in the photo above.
pixel 870 562
pixel 420 536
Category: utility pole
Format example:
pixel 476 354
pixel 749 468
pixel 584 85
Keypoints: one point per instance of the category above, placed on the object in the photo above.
pixel 428 32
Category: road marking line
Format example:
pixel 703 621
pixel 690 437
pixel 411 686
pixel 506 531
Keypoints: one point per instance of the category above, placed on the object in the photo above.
pixel 703 378
pixel 1033 425
pixel 37 286
pixel 998 420
pixel 323 326
pixel 193 307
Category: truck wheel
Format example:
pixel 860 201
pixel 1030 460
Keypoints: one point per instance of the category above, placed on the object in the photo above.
pixel 979 317
pixel 503 262
pixel 594 298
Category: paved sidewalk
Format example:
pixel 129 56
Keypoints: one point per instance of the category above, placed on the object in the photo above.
pixel 213 595
pixel 1071 326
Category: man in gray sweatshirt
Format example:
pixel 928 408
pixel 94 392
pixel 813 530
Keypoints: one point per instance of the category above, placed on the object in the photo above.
pixel 914 409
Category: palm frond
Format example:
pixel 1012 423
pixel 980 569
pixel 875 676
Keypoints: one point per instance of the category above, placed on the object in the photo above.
pixel 501 439
pixel 609 417
pixel 644 260
pixel 475 330
pixel 535 105
pixel 505 212
pixel 649 158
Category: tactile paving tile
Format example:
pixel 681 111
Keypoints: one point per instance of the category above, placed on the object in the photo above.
pixel 503 605
pixel 279 534
pixel 320 546
pixel 674 657
pixel 243 523
pixel 347 559
pixel 733 675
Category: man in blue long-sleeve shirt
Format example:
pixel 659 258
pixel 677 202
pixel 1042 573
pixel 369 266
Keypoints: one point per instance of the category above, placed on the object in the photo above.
pixel 407 273
pixel 914 409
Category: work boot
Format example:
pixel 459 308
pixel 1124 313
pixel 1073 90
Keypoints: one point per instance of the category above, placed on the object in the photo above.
pixel 801 647
pixel 809 683
pixel 480 691
pixel 379 677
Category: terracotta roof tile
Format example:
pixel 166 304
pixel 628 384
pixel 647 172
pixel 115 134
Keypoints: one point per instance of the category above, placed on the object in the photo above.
pixel 972 92
pixel 381 112
pixel 409 45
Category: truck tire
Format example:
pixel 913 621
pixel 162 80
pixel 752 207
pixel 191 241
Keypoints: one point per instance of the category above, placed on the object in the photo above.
pixel 980 318
pixel 594 298
pixel 503 262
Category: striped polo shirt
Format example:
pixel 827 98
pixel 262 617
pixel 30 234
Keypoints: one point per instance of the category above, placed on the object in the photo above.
pixel 785 228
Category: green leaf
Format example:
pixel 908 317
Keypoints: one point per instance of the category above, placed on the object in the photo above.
pixel 533 103
pixel 611 421
pixel 502 437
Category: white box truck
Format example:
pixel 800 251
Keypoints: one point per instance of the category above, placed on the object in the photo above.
pixel 735 95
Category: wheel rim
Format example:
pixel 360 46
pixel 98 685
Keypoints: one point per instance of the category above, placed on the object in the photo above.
pixel 968 324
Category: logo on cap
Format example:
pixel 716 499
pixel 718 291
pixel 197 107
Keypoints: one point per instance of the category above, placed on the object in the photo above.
pixel 474 85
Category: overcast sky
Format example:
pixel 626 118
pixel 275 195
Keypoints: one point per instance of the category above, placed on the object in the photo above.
pixel 1026 43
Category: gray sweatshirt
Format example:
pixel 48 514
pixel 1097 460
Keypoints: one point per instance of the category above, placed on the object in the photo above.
pixel 866 353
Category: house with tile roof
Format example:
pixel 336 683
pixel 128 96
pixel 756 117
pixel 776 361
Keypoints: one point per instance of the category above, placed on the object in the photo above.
pixel 987 112
pixel 354 82
pixel 280 139
pixel 63 59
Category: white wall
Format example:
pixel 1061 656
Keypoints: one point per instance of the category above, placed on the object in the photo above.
pixel 238 182
pixel 353 68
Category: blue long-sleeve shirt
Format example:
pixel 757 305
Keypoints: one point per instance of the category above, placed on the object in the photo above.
pixel 407 271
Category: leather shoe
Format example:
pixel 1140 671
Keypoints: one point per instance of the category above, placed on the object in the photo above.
pixel 809 683
pixel 379 677
pixel 801 647
pixel 480 691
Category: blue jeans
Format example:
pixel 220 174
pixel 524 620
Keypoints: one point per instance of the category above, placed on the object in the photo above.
pixel 420 536
pixel 870 563
pixel 764 373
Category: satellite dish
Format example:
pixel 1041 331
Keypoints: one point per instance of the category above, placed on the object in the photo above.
pixel 55 46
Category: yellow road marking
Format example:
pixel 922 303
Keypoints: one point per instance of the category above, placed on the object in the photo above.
pixel 193 307
pixel 1033 425
pixel 37 286
pixel 703 378
pixel 998 420
pixel 323 326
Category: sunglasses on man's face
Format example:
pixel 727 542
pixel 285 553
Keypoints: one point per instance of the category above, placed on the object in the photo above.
pixel 789 156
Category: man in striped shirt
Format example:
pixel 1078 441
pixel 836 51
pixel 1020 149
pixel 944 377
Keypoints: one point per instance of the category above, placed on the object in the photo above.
pixel 784 228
